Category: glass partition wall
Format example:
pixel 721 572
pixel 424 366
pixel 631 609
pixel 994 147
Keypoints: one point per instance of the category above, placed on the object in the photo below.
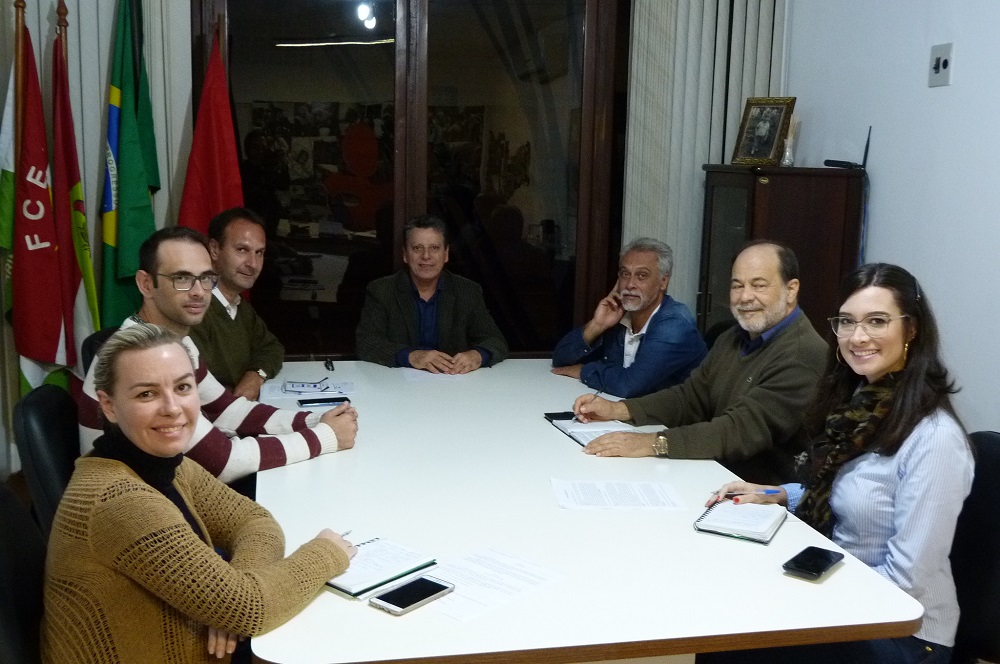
pixel 503 103
pixel 353 116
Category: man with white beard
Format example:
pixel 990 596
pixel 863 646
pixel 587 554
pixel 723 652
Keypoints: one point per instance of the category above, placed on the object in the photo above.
pixel 744 405
pixel 639 339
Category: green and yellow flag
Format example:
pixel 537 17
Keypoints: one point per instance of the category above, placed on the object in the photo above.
pixel 131 175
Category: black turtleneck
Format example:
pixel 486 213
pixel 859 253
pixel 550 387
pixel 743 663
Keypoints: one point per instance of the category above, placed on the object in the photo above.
pixel 157 472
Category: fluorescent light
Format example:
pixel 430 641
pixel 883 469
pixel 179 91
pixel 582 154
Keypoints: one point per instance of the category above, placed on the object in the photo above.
pixel 343 42
pixel 370 23
pixel 364 11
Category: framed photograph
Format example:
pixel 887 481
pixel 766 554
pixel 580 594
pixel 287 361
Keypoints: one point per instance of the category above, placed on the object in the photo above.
pixel 763 131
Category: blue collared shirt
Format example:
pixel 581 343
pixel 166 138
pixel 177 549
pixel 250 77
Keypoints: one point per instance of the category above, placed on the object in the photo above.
pixel 748 345
pixel 670 349
pixel 427 327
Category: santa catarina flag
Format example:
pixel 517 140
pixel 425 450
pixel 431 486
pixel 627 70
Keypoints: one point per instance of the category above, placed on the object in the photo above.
pixel 79 291
pixel 7 169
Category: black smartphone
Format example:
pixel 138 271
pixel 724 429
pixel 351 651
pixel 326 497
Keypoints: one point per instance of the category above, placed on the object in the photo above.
pixel 411 595
pixel 564 415
pixel 812 562
pixel 323 401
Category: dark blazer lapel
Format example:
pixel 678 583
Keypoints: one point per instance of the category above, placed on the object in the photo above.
pixel 447 329
pixel 404 299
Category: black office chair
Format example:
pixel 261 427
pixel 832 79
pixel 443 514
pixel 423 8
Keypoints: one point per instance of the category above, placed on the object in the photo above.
pixel 975 558
pixel 93 343
pixel 22 570
pixel 716 330
pixel 48 442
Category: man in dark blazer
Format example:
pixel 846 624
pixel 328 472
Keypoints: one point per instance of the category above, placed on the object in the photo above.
pixel 424 317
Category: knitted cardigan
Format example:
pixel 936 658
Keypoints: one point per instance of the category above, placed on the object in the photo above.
pixel 127 579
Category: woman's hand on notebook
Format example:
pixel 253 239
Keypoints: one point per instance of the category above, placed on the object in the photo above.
pixel 747 492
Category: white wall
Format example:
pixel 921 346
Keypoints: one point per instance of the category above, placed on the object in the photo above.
pixel 934 155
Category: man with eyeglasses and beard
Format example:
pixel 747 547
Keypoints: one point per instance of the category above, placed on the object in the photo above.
pixel 234 437
pixel 639 339
pixel 745 405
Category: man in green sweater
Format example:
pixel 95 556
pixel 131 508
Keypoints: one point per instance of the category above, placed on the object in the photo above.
pixel 744 405
pixel 234 341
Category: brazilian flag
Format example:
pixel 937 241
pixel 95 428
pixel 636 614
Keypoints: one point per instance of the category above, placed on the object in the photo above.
pixel 131 176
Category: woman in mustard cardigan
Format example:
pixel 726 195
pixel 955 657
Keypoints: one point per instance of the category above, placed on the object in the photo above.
pixel 133 571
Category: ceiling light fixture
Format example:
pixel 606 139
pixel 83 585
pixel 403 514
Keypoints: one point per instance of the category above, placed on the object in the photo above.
pixel 364 11
pixel 331 42
pixel 370 23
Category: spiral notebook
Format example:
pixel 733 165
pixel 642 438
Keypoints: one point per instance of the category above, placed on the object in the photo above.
pixel 378 562
pixel 749 521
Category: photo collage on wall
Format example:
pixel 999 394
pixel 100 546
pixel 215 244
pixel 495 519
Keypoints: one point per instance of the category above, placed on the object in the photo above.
pixel 331 164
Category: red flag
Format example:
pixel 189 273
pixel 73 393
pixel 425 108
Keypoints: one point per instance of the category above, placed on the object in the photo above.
pixel 39 330
pixel 213 181
pixel 79 292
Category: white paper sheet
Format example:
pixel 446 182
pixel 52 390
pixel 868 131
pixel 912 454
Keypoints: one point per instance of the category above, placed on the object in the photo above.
pixel 272 389
pixel 486 580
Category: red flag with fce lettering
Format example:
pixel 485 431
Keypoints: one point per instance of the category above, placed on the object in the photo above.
pixel 39 318
pixel 213 180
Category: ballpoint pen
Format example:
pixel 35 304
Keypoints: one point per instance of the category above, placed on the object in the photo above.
pixel 759 492
pixel 596 394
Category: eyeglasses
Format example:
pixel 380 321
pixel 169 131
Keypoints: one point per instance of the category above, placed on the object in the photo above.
pixel 874 326
pixel 185 282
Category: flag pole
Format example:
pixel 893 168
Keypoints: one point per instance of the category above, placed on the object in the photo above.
pixel 19 6
pixel 9 372
pixel 62 23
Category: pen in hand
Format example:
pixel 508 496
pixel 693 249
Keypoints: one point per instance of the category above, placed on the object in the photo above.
pixel 760 492
pixel 596 394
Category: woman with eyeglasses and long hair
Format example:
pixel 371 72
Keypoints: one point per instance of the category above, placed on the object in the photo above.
pixel 889 467
pixel 134 572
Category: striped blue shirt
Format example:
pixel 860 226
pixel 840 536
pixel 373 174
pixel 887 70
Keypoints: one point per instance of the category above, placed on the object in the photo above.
pixel 897 515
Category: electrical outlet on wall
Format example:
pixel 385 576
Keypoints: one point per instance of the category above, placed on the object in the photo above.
pixel 941 65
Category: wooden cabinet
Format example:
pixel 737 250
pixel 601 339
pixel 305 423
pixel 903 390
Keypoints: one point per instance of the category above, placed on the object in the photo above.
pixel 815 211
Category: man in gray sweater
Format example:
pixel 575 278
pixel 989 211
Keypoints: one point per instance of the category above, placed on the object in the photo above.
pixel 744 405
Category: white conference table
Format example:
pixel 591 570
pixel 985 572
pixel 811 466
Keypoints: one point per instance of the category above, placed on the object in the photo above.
pixel 451 466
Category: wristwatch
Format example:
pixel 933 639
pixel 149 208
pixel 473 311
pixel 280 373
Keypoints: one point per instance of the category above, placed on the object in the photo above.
pixel 262 373
pixel 661 447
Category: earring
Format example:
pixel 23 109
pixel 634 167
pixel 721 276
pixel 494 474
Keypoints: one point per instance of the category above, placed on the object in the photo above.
pixel 840 360
pixel 906 352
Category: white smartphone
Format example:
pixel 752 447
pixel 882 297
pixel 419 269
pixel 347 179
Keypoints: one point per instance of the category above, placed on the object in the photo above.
pixel 411 595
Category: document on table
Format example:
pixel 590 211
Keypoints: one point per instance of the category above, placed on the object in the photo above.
pixel 272 389
pixel 582 432
pixel 580 495
pixel 487 580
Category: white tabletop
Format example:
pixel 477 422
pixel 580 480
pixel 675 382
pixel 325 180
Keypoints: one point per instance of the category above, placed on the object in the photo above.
pixel 455 465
